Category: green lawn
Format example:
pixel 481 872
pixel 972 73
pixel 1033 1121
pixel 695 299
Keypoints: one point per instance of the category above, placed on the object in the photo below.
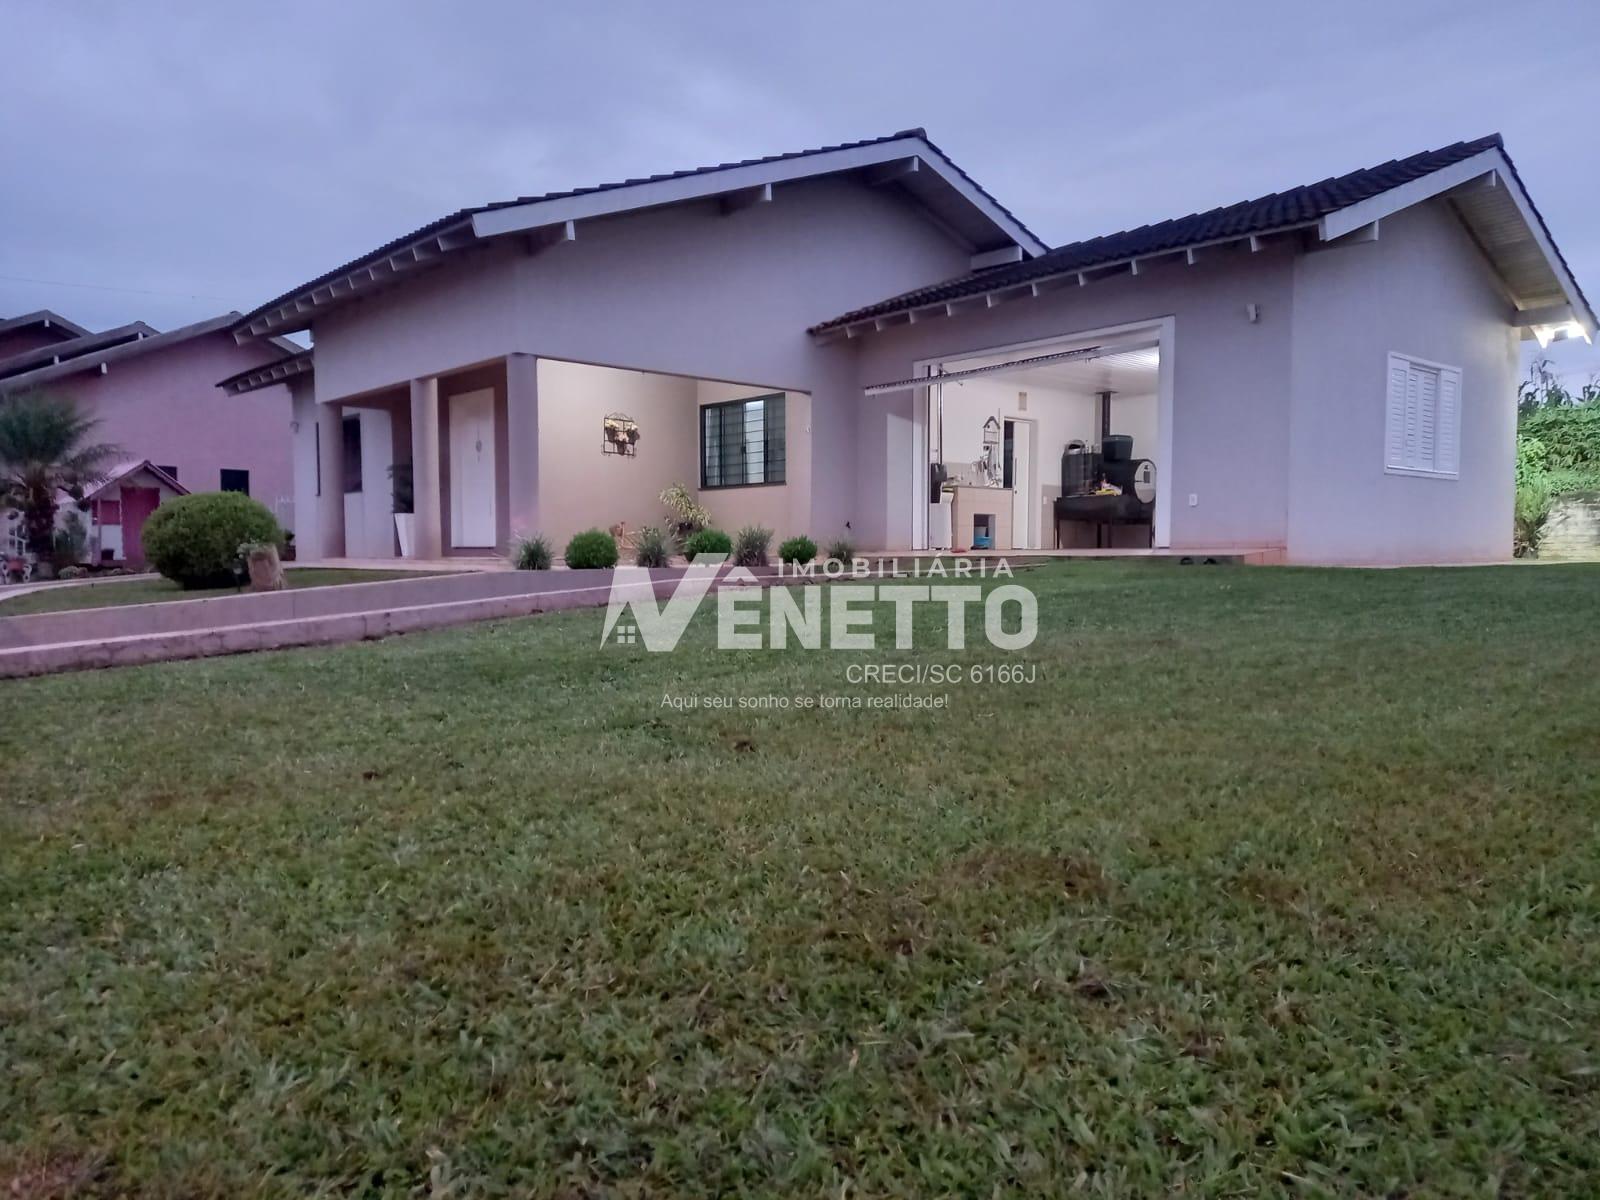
pixel 1277 882
pixel 155 589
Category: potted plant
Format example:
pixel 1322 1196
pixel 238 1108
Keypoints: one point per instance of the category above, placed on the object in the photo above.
pixel 686 515
pixel 405 521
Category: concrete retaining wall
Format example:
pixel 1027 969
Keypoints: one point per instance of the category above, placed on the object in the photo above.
pixel 177 616
pixel 1572 534
pixel 46 643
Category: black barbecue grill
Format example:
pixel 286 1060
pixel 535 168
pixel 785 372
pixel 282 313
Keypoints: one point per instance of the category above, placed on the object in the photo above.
pixel 1084 470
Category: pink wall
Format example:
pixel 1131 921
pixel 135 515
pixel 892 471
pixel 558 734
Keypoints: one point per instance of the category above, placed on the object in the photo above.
pixel 20 341
pixel 165 406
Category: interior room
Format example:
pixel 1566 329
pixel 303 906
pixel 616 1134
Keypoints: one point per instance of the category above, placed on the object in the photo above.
pixel 1051 447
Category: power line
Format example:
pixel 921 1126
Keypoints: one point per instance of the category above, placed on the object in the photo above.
pixel 107 287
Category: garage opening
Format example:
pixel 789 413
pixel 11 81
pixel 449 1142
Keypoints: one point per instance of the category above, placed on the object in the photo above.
pixel 1045 446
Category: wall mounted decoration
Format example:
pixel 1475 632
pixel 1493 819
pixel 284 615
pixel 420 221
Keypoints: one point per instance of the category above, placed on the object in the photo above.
pixel 620 435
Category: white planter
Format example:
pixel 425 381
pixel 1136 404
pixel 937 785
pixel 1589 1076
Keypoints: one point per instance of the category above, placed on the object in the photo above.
pixel 405 525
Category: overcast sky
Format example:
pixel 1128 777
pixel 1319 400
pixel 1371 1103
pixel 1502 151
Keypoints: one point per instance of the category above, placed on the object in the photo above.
pixel 172 167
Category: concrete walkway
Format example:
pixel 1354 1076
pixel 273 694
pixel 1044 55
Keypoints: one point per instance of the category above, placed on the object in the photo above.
pixel 44 643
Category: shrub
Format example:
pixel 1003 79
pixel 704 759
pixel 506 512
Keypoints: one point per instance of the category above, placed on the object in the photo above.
pixel 841 549
pixel 591 548
pixel 71 537
pixel 707 541
pixel 194 540
pixel 72 571
pixel 750 546
pixel 531 553
pixel 1530 511
pixel 797 550
pixel 652 548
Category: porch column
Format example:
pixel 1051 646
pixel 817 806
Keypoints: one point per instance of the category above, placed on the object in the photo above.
pixel 429 535
pixel 522 442
pixel 330 481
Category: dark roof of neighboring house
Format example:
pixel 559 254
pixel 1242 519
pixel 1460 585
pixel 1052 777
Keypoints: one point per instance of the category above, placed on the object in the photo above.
pixel 44 356
pixel 463 214
pixel 91 358
pixel 1280 210
pixel 71 329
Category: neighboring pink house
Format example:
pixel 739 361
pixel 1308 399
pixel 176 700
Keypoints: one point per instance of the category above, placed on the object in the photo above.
pixel 156 397
pixel 34 330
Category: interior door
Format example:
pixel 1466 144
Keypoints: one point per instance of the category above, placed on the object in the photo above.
pixel 472 472
pixel 1018 440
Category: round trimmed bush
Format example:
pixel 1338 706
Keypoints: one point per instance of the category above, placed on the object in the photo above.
pixel 799 550
pixel 194 540
pixel 707 541
pixel 591 548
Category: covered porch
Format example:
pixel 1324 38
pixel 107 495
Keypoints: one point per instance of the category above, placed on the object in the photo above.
pixel 454 467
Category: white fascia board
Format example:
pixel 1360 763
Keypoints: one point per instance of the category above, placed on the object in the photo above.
pixel 1349 219
pixel 539 213
pixel 1550 314
pixel 1490 162
pixel 996 258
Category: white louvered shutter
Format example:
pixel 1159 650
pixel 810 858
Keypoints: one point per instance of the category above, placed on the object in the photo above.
pixel 1395 429
pixel 1447 447
pixel 1422 428
pixel 1427 388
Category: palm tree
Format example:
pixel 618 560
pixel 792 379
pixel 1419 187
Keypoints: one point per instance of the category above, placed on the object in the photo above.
pixel 45 450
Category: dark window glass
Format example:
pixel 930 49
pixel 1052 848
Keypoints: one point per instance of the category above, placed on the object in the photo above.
pixel 743 442
pixel 352 454
pixel 235 480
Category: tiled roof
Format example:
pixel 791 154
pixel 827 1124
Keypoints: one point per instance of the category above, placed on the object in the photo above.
pixel 1280 210
pixel 43 316
pixel 43 356
pixel 464 214
pixel 121 352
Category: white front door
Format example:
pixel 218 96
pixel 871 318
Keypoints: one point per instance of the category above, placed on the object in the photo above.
pixel 472 477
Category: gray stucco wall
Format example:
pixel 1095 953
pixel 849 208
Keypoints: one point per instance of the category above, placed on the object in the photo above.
pixel 684 290
pixel 1422 289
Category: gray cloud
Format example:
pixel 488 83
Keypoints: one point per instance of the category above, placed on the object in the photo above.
pixel 211 157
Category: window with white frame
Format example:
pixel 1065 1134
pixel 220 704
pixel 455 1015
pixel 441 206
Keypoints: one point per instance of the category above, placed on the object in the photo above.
pixel 1422 434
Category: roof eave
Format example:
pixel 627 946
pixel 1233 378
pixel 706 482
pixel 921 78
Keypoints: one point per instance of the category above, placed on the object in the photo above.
pixel 917 164
pixel 268 374
pixel 1079 274
pixel 911 151
pixel 297 310
pixel 1490 169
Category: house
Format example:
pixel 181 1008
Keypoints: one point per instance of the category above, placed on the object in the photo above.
pixel 118 506
pixel 31 331
pixel 860 341
pixel 156 398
